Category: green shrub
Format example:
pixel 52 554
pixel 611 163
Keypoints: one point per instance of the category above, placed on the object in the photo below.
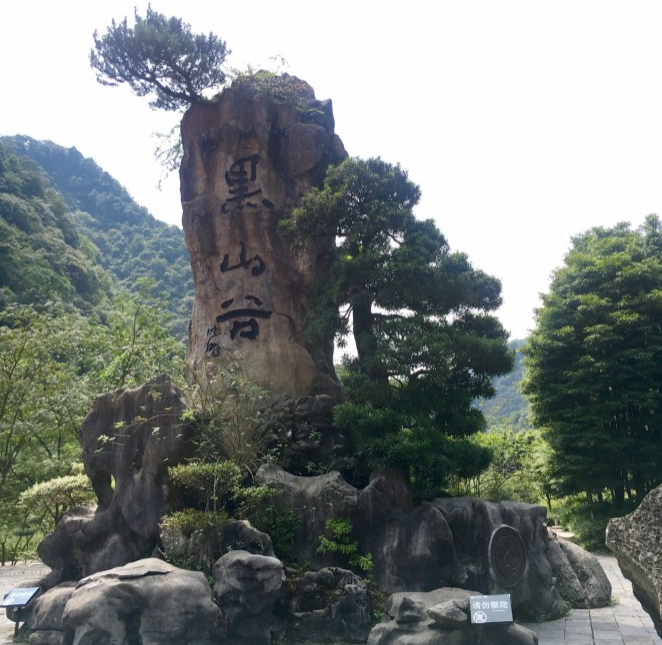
pixel 190 539
pixel 342 542
pixel 281 525
pixel 228 411
pixel 217 487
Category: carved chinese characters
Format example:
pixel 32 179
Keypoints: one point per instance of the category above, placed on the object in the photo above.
pixel 241 179
pixel 243 313
pixel 247 162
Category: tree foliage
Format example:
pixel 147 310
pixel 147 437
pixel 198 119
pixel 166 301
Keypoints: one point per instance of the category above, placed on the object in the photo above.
pixel 420 318
pixel 48 501
pixel 131 344
pixel 42 255
pixel 593 363
pixel 68 330
pixel 109 231
pixel 518 469
pixel 159 56
pixel 52 364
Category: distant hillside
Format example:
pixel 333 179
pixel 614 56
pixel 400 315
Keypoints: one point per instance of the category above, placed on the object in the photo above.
pixel 508 405
pixel 42 254
pixel 130 242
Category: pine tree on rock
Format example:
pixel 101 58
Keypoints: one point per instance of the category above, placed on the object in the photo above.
pixel 160 56
pixel 419 315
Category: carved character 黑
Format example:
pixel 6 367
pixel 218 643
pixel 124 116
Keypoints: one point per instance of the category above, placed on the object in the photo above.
pixel 241 179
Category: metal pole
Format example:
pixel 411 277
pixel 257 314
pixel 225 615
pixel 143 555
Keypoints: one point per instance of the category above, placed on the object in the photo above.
pixel 18 618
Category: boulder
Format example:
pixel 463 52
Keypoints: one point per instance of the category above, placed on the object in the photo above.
pixel 44 615
pixel 129 439
pixel 205 548
pixel 550 575
pixel 327 606
pixel 393 608
pixel 635 541
pixel 441 617
pixel 456 542
pixel 148 601
pixel 592 578
pixel 54 637
pixel 248 158
pixel 452 614
pixel 314 499
pixel 304 436
pixel 250 592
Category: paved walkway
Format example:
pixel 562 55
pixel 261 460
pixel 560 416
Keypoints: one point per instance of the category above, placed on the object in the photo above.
pixel 626 623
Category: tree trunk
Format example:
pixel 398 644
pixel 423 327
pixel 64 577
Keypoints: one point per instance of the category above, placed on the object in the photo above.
pixel 362 322
pixel 364 336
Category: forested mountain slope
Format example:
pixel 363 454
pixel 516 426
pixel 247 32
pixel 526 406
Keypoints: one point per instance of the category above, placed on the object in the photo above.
pixel 42 255
pixel 131 243
pixel 508 405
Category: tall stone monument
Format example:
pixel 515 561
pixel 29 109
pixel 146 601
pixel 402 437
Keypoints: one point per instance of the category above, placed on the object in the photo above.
pixel 248 158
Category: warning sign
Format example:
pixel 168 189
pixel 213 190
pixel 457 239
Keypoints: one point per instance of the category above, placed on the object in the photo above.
pixel 491 609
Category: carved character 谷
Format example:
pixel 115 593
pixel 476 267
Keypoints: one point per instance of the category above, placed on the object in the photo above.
pixel 246 313
pixel 249 314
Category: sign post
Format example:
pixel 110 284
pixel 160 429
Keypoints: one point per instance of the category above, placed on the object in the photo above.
pixel 491 609
pixel 18 599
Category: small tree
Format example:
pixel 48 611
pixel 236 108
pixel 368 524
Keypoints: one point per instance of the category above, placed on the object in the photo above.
pixel 133 344
pixel 159 56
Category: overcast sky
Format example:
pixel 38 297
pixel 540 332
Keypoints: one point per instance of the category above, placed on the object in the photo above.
pixel 524 122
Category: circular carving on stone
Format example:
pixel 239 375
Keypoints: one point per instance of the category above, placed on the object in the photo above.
pixel 507 556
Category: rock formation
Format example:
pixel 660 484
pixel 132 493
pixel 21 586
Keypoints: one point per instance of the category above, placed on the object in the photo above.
pixel 130 437
pixel 459 542
pixel 44 615
pixel 327 606
pixel 148 601
pixel 204 548
pixel 441 617
pixel 250 591
pixel 248 159
pixel 635 540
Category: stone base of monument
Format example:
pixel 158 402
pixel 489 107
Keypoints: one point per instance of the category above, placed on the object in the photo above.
pixel 441 617
pixel 452 542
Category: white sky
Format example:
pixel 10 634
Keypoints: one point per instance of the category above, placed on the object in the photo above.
pixel 524 122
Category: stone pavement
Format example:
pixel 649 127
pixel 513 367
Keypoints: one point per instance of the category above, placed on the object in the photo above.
pixel 625 623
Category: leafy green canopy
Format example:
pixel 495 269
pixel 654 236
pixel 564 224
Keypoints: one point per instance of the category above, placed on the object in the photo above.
pixel 593 362
pixel 52 364
pixel 159 56
pixel 419 315
pixel 42 255
pixel 104 225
